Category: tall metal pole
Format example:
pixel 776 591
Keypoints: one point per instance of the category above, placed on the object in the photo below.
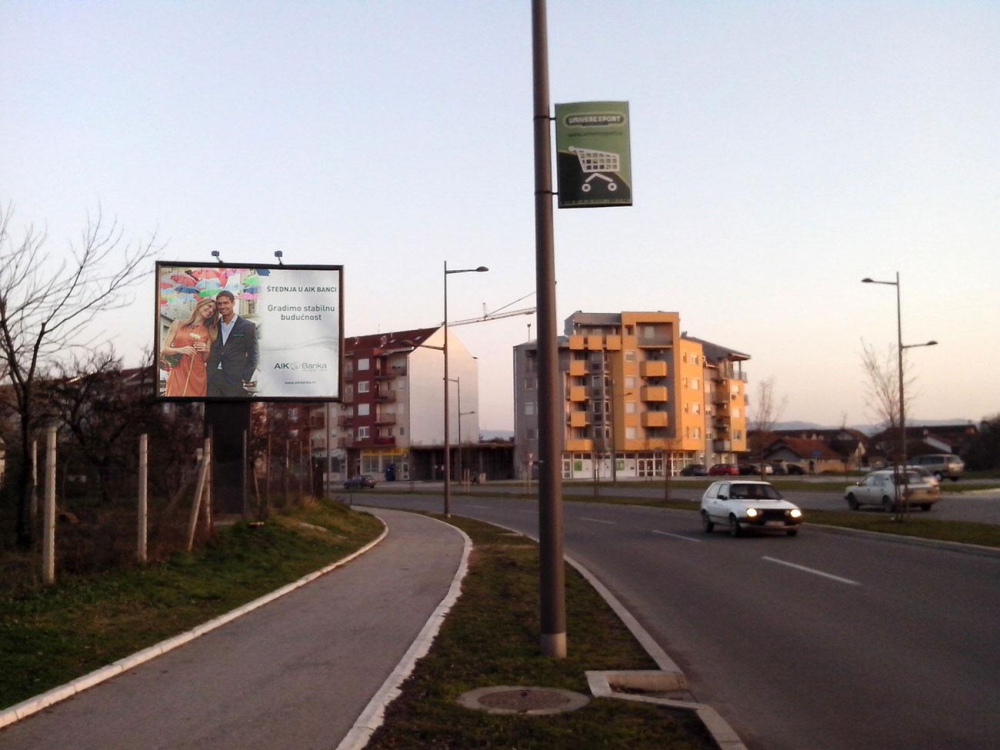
pixel 902 402
pixel 458 382
pixel 447 432
pixel 550 520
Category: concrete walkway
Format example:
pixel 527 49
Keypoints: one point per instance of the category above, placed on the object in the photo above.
pixel 295 673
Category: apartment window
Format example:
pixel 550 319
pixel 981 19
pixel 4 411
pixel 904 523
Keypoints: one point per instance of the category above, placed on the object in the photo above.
pixel 400 385
pixel 696 433
pixel 630 356
pixel 684 382
pixel 684 358
pixel 293 415
pixel 736 413
pixel 687 407
pixel 695 384
pixel 529 408
pixel 362 433
pixel 349 392
pixel 529 384
pixel 630 433
pixel 630 382
pixel 628 330
pixel 737 434
pixel 402 431
pixel 687 432
pixel 696 408
pixel 363 364
pixel 364 410
pixel 363 386
pixel 532 433
pixel 630 407
pixel 648 331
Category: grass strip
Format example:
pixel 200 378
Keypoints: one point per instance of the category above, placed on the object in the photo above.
pixel 490 638
pixel 53 635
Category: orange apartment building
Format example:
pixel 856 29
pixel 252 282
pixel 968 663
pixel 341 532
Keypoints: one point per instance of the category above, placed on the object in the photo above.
pixel 637 394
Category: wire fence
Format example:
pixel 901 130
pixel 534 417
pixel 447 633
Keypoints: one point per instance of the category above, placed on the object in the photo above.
pixel 99 521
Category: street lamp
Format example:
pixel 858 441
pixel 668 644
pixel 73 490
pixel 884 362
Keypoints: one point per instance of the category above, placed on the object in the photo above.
pixel 458 382
pixel 447 432
pixel 901 347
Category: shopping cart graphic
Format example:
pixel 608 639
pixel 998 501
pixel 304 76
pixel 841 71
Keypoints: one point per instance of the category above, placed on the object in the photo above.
pixel 595 163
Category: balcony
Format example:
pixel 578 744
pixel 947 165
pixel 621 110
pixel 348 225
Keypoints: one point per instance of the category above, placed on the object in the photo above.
pixel 653 393
pixel 653 369
pixel 345 421
pixel 384 440
pixel 722 446
pixel 655 342
pixel 656 444
pixel 577 394
pixel 576 343
pixel 577 368
pixel 595 343
pixel 392 372
pixel 577 419
pixel 581 445
pixel 385 419
pixel 385 397
pixel 655 419
pixel 613 343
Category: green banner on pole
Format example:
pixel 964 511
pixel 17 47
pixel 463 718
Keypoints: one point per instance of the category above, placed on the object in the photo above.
pixel 593 160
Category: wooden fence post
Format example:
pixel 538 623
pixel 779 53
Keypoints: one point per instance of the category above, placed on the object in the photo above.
pixel 143 484
pixel 49 533
pixel 196 506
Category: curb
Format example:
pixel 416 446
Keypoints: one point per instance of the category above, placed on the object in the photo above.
pixel 31 706
pixel 723 734
pixel 913 541
pixel 373 716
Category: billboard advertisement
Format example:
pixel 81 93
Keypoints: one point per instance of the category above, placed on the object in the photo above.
pixel 594 161
pixel 238 332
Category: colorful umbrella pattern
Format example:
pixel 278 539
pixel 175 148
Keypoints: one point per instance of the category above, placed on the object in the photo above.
pixel 180 289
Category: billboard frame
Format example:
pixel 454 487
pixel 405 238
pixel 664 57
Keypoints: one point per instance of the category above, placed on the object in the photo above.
pixel 251 399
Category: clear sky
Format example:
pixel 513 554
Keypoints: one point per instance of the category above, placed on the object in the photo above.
pixel 781 151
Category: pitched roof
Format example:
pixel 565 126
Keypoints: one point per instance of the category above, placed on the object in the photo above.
pixel 392 340
pixel 805 448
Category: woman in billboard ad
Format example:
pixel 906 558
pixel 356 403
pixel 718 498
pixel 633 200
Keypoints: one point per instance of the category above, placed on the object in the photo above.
pixel 185 350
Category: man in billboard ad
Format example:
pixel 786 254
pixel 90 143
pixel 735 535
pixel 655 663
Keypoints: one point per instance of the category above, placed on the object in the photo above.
pixel 236 332
pixel 232 359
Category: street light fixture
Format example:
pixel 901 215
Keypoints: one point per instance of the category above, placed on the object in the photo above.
pixel 901 348
pixel 447 432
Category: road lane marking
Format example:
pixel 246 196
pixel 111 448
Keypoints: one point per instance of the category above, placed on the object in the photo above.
pixel 598 520
pixel 676 536
pixel 814 572
pixel 478 506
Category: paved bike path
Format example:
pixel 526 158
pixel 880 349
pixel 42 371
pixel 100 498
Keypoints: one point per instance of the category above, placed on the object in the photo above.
pixel 295 673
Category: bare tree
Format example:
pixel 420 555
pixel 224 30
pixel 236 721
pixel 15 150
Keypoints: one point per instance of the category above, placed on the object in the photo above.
pixel 765 411
pixel 881 379
pixel 45 307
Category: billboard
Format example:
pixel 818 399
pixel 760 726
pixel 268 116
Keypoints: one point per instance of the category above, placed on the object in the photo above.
pixel 593 156
pixel 238 332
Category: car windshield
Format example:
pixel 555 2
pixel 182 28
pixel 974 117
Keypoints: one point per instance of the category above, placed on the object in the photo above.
pixel 753 492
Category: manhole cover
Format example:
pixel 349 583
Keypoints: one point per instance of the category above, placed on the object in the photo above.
pixel 532 701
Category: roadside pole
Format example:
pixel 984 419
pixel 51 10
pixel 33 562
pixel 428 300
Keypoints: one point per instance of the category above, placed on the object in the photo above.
pixel 49 535
pixel 143 485
pixel 550 511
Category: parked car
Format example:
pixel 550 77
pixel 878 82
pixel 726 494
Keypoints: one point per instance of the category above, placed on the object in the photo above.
pixel 360 482
pixel 795 469
pixel 694 470
pixel 941 465
pixel 754 469
pixel 745 504
pixel 879 488
pixel 724 470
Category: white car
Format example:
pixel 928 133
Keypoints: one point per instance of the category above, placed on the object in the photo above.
pixel 879 488
pixel 745 504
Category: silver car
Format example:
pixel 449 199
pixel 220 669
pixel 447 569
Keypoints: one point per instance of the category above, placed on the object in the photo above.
pixel 879 488
pixel 941 465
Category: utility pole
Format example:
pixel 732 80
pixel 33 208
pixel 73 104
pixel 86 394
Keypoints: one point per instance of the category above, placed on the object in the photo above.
pixel 550 511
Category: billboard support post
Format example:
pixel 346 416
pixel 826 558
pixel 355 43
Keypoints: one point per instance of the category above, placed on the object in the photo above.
pixel 143 487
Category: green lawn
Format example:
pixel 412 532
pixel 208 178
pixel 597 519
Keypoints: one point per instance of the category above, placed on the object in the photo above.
pixel 491 638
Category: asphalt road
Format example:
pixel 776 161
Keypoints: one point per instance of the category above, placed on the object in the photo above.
pixel 980 508
pixel 295 673
pixel 821 641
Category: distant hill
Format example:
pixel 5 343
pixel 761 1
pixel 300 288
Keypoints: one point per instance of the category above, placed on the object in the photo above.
pixel 869 429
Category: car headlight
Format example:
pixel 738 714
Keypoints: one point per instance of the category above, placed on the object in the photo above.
pixel 751 512
pixel 796 513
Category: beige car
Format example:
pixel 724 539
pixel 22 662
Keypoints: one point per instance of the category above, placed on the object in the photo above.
pixel 879 488
pixel 941 465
